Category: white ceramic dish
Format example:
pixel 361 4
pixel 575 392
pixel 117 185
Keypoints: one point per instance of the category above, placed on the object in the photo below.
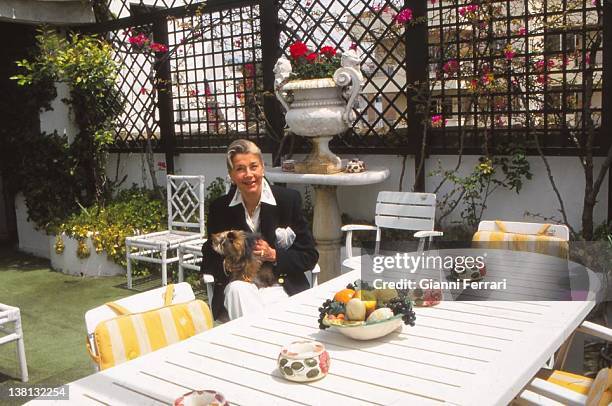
pixel 303 361
pixel 370 330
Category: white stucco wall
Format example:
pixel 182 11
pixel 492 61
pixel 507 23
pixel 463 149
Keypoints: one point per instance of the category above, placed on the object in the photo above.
pixel 536 196
pixel 60 117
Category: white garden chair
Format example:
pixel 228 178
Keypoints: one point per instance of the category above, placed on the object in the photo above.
pixel 552 387
pixel 399 210
pixel 185 195
pixel 141 302
pixel 10 315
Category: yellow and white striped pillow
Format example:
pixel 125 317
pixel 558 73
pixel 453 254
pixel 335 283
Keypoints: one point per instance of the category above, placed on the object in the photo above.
pixel 540 242
pixel 129 336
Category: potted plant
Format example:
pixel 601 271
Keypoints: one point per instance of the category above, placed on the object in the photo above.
pixel 318 90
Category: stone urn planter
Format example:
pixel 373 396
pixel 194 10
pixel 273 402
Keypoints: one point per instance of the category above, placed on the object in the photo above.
pixel 318 109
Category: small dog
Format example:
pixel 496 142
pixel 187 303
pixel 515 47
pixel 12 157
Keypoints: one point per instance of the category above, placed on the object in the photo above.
pixel 239 261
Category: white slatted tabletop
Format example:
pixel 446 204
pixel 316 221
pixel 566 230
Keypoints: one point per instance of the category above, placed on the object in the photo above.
pixel 463 353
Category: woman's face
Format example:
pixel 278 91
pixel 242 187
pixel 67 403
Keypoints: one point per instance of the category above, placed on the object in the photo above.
pixel 247 174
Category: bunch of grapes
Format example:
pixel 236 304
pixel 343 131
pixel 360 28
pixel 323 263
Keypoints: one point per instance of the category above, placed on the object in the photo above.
pixel 402 305
pixel 329 307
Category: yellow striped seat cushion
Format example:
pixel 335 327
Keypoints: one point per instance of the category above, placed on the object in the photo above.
pixel 576 383
pixel 598 391
pixel 129 336
pixel 542 244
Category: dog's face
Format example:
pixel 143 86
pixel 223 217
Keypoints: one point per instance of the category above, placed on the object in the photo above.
pixel 235 244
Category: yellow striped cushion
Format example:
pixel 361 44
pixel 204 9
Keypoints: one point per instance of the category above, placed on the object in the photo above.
pixel 542 244
pixel 576 383
pixel 129 336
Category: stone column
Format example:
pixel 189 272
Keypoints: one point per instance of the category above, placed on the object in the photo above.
pixel 326 231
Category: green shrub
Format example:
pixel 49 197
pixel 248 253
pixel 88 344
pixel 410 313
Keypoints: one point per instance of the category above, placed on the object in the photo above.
pixel 133 211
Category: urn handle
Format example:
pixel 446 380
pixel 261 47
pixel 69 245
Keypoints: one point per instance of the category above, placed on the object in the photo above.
pixel 343 78
pixel 280 95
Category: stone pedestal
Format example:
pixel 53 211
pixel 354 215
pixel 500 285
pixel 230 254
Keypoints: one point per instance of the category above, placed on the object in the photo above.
pixel 327 220
pixel 326 229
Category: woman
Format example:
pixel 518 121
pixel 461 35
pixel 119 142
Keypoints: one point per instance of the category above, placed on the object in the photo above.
pixel 255 206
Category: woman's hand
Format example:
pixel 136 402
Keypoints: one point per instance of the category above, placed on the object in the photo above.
pixel 264 251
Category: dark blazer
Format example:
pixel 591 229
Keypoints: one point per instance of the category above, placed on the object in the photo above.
pixel 290 263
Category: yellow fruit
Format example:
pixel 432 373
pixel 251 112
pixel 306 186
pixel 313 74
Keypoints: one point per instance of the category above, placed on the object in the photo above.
pixel 370 306
pixel 344 295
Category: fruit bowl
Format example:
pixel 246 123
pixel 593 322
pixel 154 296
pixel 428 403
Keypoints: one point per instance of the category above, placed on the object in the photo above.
pixel 362 313
pixel 367 330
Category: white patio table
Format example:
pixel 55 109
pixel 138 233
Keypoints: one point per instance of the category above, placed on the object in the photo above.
pixel 464 353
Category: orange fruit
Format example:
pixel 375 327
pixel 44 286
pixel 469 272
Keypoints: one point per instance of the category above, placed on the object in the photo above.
pixel 344 295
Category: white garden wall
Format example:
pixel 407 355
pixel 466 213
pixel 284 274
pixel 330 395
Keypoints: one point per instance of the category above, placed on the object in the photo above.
pixel 31 240
pixel 536 196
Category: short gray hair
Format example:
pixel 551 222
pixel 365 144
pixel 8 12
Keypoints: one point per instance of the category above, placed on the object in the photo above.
pixel 241 146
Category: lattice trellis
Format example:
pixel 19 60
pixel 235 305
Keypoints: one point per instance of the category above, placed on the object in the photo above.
pixel 218 71
pixel 370 28
pixel 216 74
pixel 139 120
pixel 525 74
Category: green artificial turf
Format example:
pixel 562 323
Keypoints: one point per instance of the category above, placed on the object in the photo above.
pixel 52 312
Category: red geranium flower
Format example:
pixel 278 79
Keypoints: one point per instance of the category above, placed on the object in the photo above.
pixel 298 49
pixel 328 51
pixel 311 57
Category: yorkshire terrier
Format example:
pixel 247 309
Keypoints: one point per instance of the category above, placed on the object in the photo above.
pixel 240 261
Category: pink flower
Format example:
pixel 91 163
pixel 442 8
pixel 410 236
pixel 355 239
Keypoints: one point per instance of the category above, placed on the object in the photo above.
pixel 509 54
pixel 472 8
pixel 473 85
pixel 487 78
pixel 522 31
pixel 595 2
pixel 249 69
pixel 353 45
pixel 193 92
pixel 437 120
pixel 143 90
pixel 403 16
pixel 539 65
pixel 157 47
pixel 433 2
pixel 542 79
pixel 587 58
pixel 462 11
pixel 450 66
